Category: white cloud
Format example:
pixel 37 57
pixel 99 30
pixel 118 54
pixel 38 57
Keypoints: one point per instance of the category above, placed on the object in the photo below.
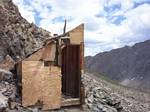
pixel 101 34
pixel 26 10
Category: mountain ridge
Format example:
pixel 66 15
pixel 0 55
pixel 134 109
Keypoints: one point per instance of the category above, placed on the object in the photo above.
pixel 127 65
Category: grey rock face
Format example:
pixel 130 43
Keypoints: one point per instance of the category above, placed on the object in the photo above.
pixel 128 65
pixel 18 38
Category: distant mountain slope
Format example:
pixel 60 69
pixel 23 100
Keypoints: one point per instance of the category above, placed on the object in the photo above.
pixel 128 65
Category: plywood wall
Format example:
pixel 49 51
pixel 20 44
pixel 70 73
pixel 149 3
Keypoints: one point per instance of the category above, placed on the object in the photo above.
pixel 40 83
pixel 77 34
pixel 46 53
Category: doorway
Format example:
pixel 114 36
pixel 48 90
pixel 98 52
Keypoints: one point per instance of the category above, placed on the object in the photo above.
pixel 71 71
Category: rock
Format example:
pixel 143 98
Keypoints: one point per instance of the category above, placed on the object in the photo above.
pixel 13 105
pixel 118 106
pixel 97 95
pixel 108 109
pixel 95 109
pixel 8 90
pixel 90 98
pixel 34 109
pixel 100 106
pixel 5 75
pixel 8 63
pixel 4 1
pixel 3 101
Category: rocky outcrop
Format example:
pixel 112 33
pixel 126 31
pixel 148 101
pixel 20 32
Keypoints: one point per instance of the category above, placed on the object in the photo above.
pixel 18 38
pixel 98 98
pixel 127 65
pixel 103 96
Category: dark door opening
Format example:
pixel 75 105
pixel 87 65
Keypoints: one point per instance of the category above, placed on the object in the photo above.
pixel 71 73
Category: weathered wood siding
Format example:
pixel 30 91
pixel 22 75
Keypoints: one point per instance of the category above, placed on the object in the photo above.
pixel 77 34
pixel 40 83
pixel 46 53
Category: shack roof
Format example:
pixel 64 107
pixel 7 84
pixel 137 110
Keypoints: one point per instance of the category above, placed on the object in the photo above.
pixel 52 40
pixel 64 34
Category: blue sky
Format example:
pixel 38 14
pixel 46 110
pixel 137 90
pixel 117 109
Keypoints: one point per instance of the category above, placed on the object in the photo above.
pixel 109 24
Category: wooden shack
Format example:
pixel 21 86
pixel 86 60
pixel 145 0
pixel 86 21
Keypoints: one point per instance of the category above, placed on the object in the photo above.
pixel 51 76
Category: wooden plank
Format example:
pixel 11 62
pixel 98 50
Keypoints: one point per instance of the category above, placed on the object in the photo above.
pixel 49 52
pixel 40 83
pixel 82 57
pixel 18 68
pixel 70 102
pixel 77 34
pixel 52 89
pixel 46 53
pixel 36 56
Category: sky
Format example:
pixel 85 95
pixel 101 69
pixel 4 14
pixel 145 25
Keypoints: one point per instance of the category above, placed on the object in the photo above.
pixel 109 24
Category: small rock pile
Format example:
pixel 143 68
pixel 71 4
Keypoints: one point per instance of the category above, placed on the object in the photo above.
pixel 98 98
pixel 105 96
pixel 8 89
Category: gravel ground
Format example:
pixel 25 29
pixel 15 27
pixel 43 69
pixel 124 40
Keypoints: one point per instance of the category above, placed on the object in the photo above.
pixel 101 96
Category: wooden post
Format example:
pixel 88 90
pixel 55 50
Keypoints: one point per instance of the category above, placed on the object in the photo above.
pixel 65 26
